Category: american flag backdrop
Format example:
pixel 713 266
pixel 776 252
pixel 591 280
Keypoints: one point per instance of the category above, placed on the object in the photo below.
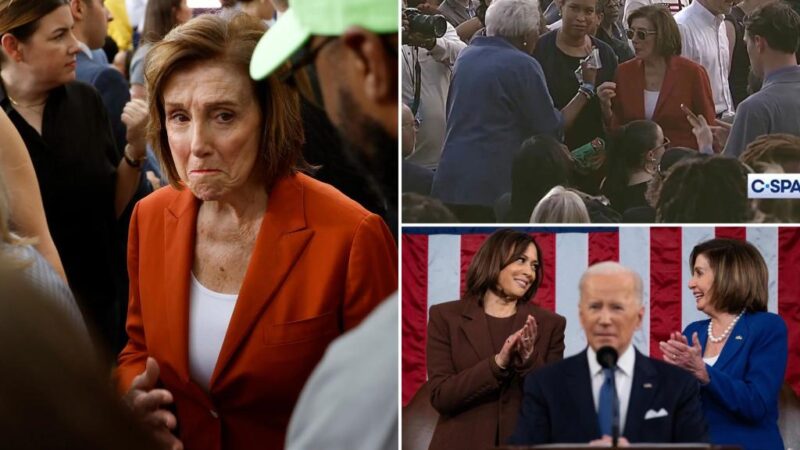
pixel 435 262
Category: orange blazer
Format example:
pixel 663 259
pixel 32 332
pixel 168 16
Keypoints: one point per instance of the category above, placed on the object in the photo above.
pixel 685 82
pixel 320 264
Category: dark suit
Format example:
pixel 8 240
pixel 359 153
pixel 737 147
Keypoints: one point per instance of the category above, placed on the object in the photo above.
pixel 558 405
pixel 112 88
pixel 685 82
pixel 478 403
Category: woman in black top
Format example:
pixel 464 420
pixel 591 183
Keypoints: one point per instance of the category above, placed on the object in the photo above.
pixel 85 186
pixel 560 52
pixel 633 158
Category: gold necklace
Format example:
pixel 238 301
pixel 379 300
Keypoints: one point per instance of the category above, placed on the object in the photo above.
pixel 18 104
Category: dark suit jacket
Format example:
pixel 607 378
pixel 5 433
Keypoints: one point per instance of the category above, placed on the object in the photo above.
pixel 478 404
pixel 320 264
pixel 112 88
pixel 558 406
pixel 685 82
pixel 741 400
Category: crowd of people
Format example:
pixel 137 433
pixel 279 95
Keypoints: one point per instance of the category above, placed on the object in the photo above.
pixel 208 223
pixel 496 374
pixel 706 82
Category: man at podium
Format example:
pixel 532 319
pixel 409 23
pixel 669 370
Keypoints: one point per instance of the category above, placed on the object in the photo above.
pixel 610 390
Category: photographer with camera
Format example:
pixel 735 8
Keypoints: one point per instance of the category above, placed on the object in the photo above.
pixel 430 48
pixel 498 98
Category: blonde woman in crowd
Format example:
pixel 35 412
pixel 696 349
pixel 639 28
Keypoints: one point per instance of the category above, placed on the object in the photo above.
pixel 560 205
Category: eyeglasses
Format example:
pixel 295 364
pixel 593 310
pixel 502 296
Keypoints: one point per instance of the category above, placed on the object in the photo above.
pixel 306 84
pixel 665 146
pixel 640 34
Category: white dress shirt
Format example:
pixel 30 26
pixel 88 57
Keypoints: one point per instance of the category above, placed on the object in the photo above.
pixel 650 102
pixel 623 378
pixel 705 42
pixel 436 69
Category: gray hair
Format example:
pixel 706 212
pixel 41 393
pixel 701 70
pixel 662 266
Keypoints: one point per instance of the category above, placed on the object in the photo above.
pixel 614 268
pixel 560 205
pixel 512 18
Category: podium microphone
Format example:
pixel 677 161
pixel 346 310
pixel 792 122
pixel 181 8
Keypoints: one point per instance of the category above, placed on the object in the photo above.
pixel 607 358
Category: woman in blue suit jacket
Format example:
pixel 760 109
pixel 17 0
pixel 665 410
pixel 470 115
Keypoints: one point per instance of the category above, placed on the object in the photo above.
pixel 739 354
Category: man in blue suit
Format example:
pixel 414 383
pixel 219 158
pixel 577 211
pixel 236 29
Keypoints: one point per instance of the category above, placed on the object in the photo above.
pixel 657 401
pixel 91 25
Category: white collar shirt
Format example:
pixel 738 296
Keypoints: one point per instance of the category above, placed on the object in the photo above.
pixel 86 50
pixel 705 42
pixel 623 378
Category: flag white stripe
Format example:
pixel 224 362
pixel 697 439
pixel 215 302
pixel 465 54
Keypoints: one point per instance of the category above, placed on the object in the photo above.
pixel 766 241
pixel 572 250
pixel 634 252
pixel 444 268
pixel 691 236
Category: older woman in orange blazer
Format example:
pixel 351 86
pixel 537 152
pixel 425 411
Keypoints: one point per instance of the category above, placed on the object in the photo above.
pixel 658 80
pixel 243 270
pixel 481 347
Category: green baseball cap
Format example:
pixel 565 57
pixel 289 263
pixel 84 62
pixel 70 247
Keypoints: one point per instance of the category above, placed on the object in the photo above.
pixel 306 18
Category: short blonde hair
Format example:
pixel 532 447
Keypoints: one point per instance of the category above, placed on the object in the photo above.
pixel 560 206
pixel 213 39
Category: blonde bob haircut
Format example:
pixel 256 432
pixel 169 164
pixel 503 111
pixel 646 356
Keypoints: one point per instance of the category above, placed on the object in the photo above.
pixel 213 39
pixel 740 275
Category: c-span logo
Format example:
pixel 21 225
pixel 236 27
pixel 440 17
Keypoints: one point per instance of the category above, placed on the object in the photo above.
pixel 773 185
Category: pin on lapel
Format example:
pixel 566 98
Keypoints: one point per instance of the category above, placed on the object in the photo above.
pixel 647 386
pixel 739 337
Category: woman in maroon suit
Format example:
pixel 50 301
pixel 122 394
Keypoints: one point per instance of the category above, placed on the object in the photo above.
pixel 481 347
pixel 658 80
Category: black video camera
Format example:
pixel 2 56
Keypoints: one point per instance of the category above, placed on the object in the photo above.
pixel 427 26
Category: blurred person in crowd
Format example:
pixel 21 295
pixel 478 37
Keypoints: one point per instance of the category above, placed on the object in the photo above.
pixel 415 177
pixel 571 401
pixel 658 81
pixel 560 52
pixel 632 161
pixel 22 257
pixel 25 209
pixel 560 205
pixel 260 9
pixel 483 133
pixel 705 190
pixel 91 19
pixel 120 29
pixel 422 209
pixel 609 30
pixel 55 391
pixel 136 16
pixel 435 58
pixel 237 233
pixel 704 40
pixel 457 11
pixel 772 34
pixel 541 164
pixel 85 185
pixel 775 153
pixel 161 16
pixel 632 5
pixel 647 213
pixel 480 348
pixel 739 354
pixel 351 46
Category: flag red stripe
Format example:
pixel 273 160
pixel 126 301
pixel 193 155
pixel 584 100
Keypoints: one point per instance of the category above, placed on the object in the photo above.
pixel 665 285
pixel 546 295
pixel 788 298
pixel 739 233
pixel 603 247
pixel 470 243
pixel 415 312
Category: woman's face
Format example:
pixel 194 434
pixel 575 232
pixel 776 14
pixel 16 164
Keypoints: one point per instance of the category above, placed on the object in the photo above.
pixel 49 53
pixel 213 124
pixel 657 152
pixel 579 17
pixel 643 48
pixel 701 282
pixel 183 14
pixel 516 278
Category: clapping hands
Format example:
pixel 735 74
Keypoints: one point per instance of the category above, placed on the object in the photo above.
pixel 518 348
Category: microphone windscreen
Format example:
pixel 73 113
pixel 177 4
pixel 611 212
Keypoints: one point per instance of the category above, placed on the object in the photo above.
pixel 607 357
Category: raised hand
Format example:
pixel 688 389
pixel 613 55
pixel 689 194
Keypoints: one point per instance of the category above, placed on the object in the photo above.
pixel 134 116
pixel 606 93
pixel 525 344
pixel 147 403
pixel 702 132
